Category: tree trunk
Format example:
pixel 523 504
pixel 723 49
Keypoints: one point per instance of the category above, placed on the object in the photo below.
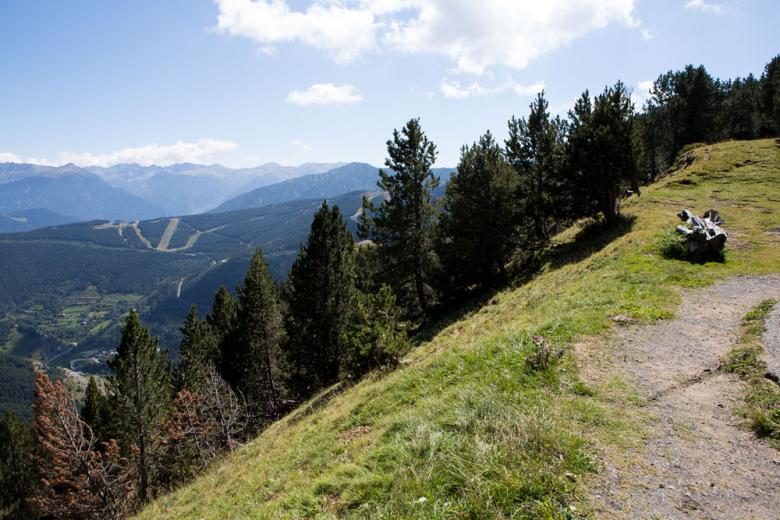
pixel 144 482
pixel 420 288
pixel 610 207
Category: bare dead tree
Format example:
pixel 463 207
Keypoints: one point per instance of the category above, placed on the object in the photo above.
pixel 205 423
pixel 79 479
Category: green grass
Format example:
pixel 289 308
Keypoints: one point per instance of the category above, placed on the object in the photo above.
pixel 465 428
pixel 762 396
pixel 24 344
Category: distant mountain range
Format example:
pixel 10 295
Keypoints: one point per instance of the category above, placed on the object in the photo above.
pixel 67 190
pixel 33 196
pixel 127 191
pixel 350 177
pixel 27 220
pixel 185 188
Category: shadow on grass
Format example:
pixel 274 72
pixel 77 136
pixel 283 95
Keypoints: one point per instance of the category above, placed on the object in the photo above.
pixel 592 238
pixel 674 246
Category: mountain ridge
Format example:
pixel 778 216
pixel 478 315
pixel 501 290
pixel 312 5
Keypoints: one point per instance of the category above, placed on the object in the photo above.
pixel 354 176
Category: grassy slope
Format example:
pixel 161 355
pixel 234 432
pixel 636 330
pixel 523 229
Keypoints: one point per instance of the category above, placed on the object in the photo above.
pixel 762 407
pixel 465 428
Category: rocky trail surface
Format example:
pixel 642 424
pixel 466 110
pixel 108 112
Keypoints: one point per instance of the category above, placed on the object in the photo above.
pixel 698 460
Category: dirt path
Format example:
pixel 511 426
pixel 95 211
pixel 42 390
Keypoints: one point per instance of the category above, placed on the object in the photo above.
pixel 170 229
pixel 698 462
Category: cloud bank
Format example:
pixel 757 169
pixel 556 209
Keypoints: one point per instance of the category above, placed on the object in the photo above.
pixel 325 94
pixel 454 90
pixel 707 7
pixel 473 35
pixel 161 155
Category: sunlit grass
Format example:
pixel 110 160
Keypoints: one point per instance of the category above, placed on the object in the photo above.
pixel 762 399
pixel 465 427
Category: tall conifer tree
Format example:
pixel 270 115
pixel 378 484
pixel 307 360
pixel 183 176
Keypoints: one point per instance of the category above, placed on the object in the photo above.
pixel 601 152
pixel 770 93
pixel 95 411
pixel 222 316
pixel 479 227
pixel 319 298
pixel 221 320
pixel 17 473
pixel 536 151
pixel 402 225
pixel 197 352
pixel 140 391
pixel 249 357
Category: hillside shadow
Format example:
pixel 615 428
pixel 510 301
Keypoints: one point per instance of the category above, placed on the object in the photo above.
pixel 454 311
pixel 592 238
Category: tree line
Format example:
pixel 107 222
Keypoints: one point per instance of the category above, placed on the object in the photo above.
pixel 348 308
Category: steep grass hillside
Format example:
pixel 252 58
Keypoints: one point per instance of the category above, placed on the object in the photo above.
pixel 466 428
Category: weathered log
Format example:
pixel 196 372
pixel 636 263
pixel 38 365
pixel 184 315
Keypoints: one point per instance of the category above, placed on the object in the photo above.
pixel 705 234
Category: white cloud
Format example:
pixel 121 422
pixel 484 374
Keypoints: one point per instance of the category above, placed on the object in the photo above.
pixel 300 145
pixel 707 7
pixel 641 93
pixel 161 155
pixel 454 89
pixel 512 33
pixel 9 157
pixel 341 31
pixel 325 94
pixel 474 35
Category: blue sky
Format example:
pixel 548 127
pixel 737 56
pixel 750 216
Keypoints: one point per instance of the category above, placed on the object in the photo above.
pixel 243 83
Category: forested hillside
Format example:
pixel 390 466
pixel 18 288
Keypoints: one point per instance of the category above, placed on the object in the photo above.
pixel 470 424
pixel 429 368
pixel 66 313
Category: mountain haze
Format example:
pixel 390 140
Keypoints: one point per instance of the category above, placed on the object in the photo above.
pixel 350 177
pixel 67 190
pixel 186 188
pixel 29 219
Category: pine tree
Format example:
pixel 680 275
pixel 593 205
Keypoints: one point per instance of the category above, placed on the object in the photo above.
pixel 770 94
pixel 686 105
pixel 250 353
pixel 17 473
pixel 222 316
pixel 741 108
pixel 140 393
pixel 376 337
pixel 536 151
pixel 478 229
pixel 95 411
pixel 402 225
pixel 77 479
pixel 601 150
pixel 198 351
pixel 319 299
